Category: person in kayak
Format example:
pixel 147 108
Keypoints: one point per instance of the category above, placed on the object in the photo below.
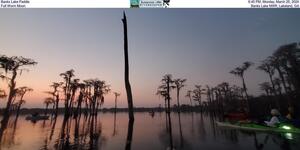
pixel 274 120
pixel 291 118
pixel 290 115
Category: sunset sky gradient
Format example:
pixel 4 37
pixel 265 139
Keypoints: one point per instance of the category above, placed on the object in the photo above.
pixel 201 45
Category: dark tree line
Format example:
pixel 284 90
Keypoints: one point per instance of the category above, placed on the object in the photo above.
pixel 12 67
pixel 164 90
pixel 282 69
pixel 79 97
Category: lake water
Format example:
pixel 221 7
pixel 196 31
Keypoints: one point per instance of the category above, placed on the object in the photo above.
pixel 149 133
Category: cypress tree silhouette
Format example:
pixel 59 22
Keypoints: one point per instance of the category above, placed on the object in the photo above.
pixel 179 83
pixel 239 71
pixel 21 91
pixel 116 98
pixel 13 65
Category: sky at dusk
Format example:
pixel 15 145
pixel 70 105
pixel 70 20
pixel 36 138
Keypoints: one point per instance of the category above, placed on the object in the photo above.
pixel 201 45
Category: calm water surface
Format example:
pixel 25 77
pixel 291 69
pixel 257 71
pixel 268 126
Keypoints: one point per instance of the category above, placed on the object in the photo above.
pixel 197 132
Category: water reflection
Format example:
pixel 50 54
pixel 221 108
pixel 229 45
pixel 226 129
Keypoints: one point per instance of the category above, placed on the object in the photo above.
pixel 129 134
pixel 202 132
pixel 89 136
pixel 115 132
pixel 258 145
pixel 169 126
pixel 182 131
pixel 8 137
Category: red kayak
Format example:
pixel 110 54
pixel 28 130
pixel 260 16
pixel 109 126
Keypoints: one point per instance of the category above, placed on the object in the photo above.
pixel 236 116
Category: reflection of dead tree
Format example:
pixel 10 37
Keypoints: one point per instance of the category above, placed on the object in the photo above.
pixel 129 134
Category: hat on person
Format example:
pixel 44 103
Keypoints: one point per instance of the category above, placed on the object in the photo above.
pixel 275 112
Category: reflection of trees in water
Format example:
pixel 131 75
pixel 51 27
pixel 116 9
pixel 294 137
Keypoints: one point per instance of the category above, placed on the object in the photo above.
pixel 53 124
pixel 8 136
pixel 231 135
pixel 277 139
pixel 180 130
pixel 183 144
pixel 167 121
pixel 44 130
pixel 115 132
pixel 165 135
pixel 96 140
pixel 80 129
pixel 259 145
pixel 202 131
pixel 228 134
pixel 4 123
pixel 212 118
pixel 192 124
pixel 76 133
pixel 283 143
pixel 173 141
pixel 170 130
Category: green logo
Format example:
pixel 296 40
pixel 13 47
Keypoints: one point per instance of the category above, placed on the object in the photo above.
pixel 134 3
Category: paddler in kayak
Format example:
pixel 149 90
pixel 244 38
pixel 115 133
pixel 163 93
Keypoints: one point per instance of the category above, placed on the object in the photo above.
pixel 275 118
pixel 239 115
pixel 290 115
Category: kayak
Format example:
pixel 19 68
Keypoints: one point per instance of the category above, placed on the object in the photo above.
pixel 284 128
pixel 36 118
pixel 236 116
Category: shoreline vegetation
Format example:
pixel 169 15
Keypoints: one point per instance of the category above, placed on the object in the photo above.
pixel 83 99
pixel 185 108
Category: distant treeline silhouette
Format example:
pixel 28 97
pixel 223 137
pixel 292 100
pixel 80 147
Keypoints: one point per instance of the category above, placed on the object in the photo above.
pixel 282 91
pixel 80 97
pixel 225 98
pixel 61 111
pixel 83 99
